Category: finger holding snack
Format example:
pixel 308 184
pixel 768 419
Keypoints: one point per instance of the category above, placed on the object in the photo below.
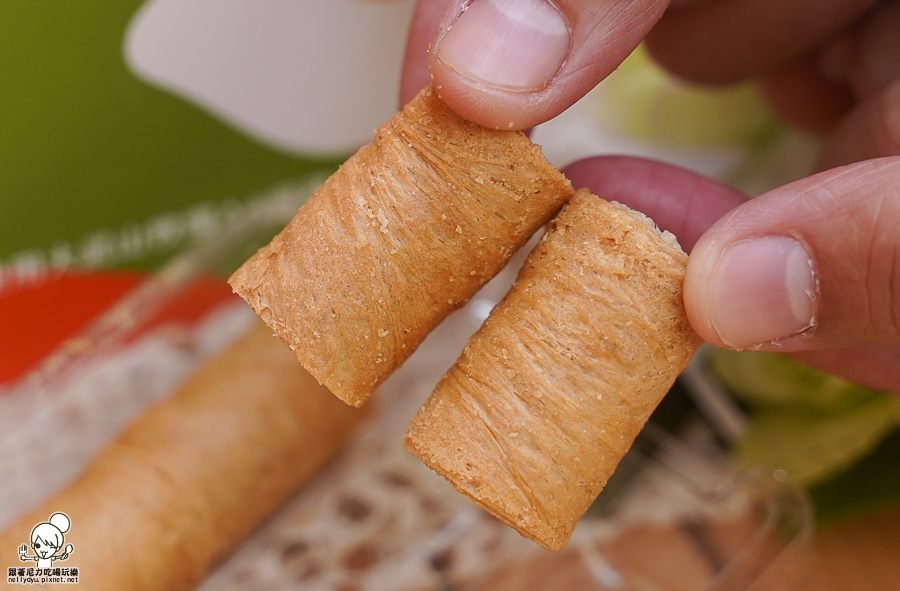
pixel 511 64
pixel 829 67
pixel 739 297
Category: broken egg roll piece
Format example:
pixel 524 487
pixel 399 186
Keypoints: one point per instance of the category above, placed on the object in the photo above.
pixel 550 393
pixel 405 232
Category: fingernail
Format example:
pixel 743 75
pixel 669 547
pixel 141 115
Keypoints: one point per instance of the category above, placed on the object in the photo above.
pixel 513 44
pixel 761 290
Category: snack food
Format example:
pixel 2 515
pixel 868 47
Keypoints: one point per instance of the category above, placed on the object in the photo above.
pixel 550 393
pixel 198 471
pixel 405 232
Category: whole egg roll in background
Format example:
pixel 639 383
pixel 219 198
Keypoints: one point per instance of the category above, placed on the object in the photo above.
pixel 198 471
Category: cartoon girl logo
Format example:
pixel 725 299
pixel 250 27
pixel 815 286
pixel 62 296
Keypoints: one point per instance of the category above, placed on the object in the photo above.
pixel 47 540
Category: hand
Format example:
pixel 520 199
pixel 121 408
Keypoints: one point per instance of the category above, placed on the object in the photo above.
pixel 832 67
pixel 811 268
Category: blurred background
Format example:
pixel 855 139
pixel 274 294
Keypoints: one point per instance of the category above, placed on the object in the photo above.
pixel 131 131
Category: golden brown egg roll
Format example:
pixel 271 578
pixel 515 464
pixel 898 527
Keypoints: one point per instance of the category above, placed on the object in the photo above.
pixel 550 393
pixel 405 232
pixel 195 473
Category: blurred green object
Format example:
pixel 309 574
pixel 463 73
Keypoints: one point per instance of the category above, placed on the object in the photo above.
pixel 812 446
pixel 871 483
pixel 821 429
pixel 86 145
pixel 770 379
pixel 643 101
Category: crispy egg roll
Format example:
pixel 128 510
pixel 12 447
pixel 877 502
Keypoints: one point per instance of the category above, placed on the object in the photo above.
pixel 405 232
pixel 550 393
pixel 196 472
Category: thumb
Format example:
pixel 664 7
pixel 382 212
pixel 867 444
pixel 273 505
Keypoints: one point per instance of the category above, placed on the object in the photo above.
pixel 512 64
pixel 814 264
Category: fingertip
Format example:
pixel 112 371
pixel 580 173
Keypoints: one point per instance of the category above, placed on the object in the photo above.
pixel 490 107
pixel 751 292
pixel 513 64
pixel 517 45
pixel 490 59
pixel 809 265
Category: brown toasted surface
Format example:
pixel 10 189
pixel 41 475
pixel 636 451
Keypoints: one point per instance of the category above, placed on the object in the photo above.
pixel 404 233
pixel 198 471
pixel 551 392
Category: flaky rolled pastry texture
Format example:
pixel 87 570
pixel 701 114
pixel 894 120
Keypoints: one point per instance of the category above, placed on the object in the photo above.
pixel 550 393
pixel 406 231
pixel 196 472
